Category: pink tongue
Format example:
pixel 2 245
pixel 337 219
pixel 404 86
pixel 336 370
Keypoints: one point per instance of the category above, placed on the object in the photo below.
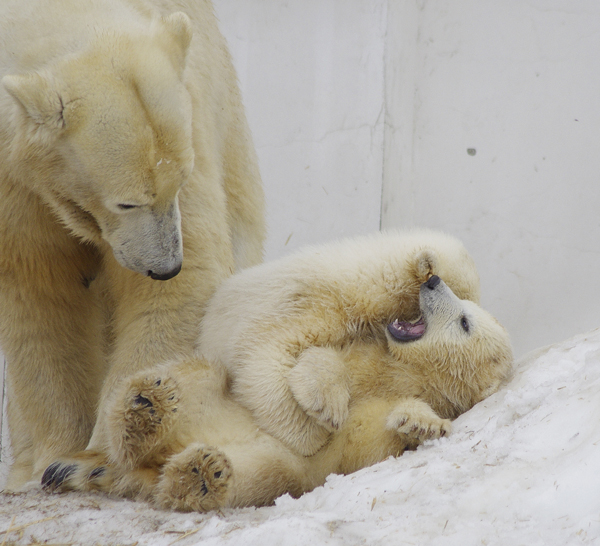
pixel 406 331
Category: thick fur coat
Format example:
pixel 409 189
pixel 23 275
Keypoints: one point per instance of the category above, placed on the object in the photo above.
pixel 125 160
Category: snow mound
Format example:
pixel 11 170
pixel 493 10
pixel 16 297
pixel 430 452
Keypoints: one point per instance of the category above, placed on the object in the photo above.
pixel 522 467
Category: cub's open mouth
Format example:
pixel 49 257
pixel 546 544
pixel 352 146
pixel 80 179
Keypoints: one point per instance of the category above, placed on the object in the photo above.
pixel 407 331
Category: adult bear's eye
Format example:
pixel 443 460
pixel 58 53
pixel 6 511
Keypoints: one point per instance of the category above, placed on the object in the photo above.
pixel 464 323
pixel 124 206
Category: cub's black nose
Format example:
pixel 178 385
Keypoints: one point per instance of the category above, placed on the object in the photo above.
pixel 432 282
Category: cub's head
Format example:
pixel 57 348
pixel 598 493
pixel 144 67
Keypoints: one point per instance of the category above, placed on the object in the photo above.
pixel 459 348
pixel 104 137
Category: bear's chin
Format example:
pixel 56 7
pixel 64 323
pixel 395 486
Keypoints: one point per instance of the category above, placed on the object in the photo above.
pixel 407 331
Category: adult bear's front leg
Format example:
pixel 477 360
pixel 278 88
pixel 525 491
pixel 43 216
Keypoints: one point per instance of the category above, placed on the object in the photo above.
pixel 51 336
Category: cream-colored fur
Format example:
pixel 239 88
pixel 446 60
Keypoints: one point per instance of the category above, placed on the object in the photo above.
pixel 303 347
pixel 124 155
pixel 261 322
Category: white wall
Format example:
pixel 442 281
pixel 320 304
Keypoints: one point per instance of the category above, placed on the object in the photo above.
pixel 311 76
pixel 350 98
pixel 518 82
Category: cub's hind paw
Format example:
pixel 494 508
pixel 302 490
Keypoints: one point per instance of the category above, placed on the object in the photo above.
pixel 197 479
pixel 142 420
pixel 85 471
pixel 56 477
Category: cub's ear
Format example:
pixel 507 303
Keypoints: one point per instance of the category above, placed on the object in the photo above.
pixel 179 28
pixel 425 264
pixel 38 98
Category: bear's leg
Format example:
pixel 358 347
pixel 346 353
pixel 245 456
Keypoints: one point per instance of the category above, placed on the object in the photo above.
pixel 264 469
pixel 253 472
pixel 86 471
pixel 142 433
pixel 320 384
pixel 197 479
pixel 152 415
pixel 51 336
pixel 90 471
pixel 153 322
pixel 263 387
pixel 158 321
pixel 21 470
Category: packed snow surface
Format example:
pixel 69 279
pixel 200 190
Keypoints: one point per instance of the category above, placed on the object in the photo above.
pixel 521 468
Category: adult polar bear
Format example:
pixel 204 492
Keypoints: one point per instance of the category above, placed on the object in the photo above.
pixel 124 157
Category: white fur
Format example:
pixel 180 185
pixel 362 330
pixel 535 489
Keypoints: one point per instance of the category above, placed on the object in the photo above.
pixel 124 152
pixel 259 323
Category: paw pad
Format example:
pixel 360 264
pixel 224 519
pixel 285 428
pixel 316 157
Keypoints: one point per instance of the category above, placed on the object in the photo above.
pixel 197 479
pixel 143 424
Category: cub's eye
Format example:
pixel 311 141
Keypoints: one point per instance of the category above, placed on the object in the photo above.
pixel 123 206
pixel 465 324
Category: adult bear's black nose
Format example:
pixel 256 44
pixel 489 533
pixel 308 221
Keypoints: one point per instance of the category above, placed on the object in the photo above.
pixel 165 276
pixel 432 282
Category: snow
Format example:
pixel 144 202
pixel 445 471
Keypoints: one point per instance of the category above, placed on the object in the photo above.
pixel 521 468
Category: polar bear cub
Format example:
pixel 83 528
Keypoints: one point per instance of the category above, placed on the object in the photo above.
pixel 343 355
pixel 261 324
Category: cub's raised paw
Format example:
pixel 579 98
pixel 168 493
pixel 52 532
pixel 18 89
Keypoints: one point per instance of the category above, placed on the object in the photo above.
pixel 319 383
pixel 84 471
pixel 425 264
pixel 142 421
pixel 418 421
pixel 197 479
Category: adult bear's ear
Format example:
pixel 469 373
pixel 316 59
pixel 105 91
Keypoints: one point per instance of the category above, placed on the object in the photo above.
pixel 179 29
pixel 38 98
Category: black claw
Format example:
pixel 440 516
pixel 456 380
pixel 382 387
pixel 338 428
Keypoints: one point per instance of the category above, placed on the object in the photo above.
pixel 142 401
pixel 97 472
pixel 157 384
pixel 55 475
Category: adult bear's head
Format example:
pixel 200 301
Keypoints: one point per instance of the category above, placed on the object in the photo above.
pixel 104 137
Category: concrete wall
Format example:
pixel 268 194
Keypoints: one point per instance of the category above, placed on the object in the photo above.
pixel 311 74
pixel 493 134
